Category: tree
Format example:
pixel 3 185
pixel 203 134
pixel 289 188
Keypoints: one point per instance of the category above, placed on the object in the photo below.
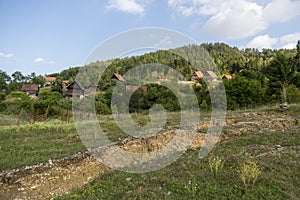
pixel 18 77
pixel 57 85
pixel 40 80
pixel 281 73
pixel 4 80
pixel 298 50
pixel 241 92
pixel 17 100
pixel 48 98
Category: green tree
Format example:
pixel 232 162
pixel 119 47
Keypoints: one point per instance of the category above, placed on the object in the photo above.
pixel 4 80
pixel 281 73
pixel 49 98
pixel 17 100
pixel 18 77
pixel 40 80
pixel 57 85
pixel 242 92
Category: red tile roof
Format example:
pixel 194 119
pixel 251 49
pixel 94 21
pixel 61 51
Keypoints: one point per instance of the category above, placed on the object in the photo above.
pixel 49 78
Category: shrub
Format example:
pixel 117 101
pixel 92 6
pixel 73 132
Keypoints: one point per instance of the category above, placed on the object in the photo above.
pixel 215 163
pixel 293 94
pixel 248 171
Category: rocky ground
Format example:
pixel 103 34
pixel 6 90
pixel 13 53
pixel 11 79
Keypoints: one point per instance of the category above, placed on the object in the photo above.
pixel 56 177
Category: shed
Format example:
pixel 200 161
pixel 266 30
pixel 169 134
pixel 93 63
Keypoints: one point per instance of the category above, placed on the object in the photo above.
pixel 30 89
pixel 75 90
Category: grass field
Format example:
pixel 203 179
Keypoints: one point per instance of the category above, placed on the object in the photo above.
pixel 35 143
pixel 29 144
pixel 227 173
pixel 191 178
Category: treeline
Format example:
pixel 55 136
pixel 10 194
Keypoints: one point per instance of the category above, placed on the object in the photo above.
pixel 258 77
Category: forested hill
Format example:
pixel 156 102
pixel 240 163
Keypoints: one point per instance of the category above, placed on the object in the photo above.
pixel 229 60
pixel 258 77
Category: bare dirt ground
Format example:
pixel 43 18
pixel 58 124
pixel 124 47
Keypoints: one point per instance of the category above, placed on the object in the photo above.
pixel 56 177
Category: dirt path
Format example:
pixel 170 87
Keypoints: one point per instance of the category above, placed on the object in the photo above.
pixel 57 177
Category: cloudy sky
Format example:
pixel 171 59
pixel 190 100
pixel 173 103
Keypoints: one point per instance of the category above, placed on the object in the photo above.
pixel 51 35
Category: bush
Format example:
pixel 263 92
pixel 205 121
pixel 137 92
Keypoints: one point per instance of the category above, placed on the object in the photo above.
pixel 249 172
pixel 15 101
pixel 241 92
pixel 293 94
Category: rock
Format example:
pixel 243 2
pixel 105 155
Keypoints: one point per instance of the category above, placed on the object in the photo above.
pixel 128 179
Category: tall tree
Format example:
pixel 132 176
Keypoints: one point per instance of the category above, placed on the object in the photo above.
pixel 18 76
pixel 4 80
pixel 57 85
pixel 281 73
pixel 40 80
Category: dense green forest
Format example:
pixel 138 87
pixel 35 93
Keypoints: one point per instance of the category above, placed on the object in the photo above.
pixel 258 77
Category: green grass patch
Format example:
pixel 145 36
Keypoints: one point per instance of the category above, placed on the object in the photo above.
pixel 35 143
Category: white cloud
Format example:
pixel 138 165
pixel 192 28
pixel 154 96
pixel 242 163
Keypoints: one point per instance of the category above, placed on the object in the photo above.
pixel 237 19
pixel 42 60
pixel 164 43
pixel 129 6
pixel 262 41
pixel 5 55
pixel 39 60
pixel 241 20
pixel 281 10
pixel 288 41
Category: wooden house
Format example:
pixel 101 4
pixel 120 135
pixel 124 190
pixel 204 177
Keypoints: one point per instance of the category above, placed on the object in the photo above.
pixel 75 90
pixel 210 75
pixel 133 88
pixel 117 77
pixel 30 89
pixel 197 75
pixel 227 77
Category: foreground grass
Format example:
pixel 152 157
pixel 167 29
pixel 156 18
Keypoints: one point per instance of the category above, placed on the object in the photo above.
pixel 274 151
pixel 29 144
pixel 35 143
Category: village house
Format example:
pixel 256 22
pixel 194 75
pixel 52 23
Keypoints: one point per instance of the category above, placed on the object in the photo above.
pixel 75 90
pixel 117 77
pixel 65 83
pixel 49 79
pixel 197 75
pixel 132 88
pixel 210 76
pixel 227 77
pixel 30 89
pixel 164 78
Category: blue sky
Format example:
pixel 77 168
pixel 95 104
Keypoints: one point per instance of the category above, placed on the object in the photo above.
pixel 46 36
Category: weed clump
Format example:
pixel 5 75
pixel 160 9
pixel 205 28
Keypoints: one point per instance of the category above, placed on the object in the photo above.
pixel 215 163
pixel 248 171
